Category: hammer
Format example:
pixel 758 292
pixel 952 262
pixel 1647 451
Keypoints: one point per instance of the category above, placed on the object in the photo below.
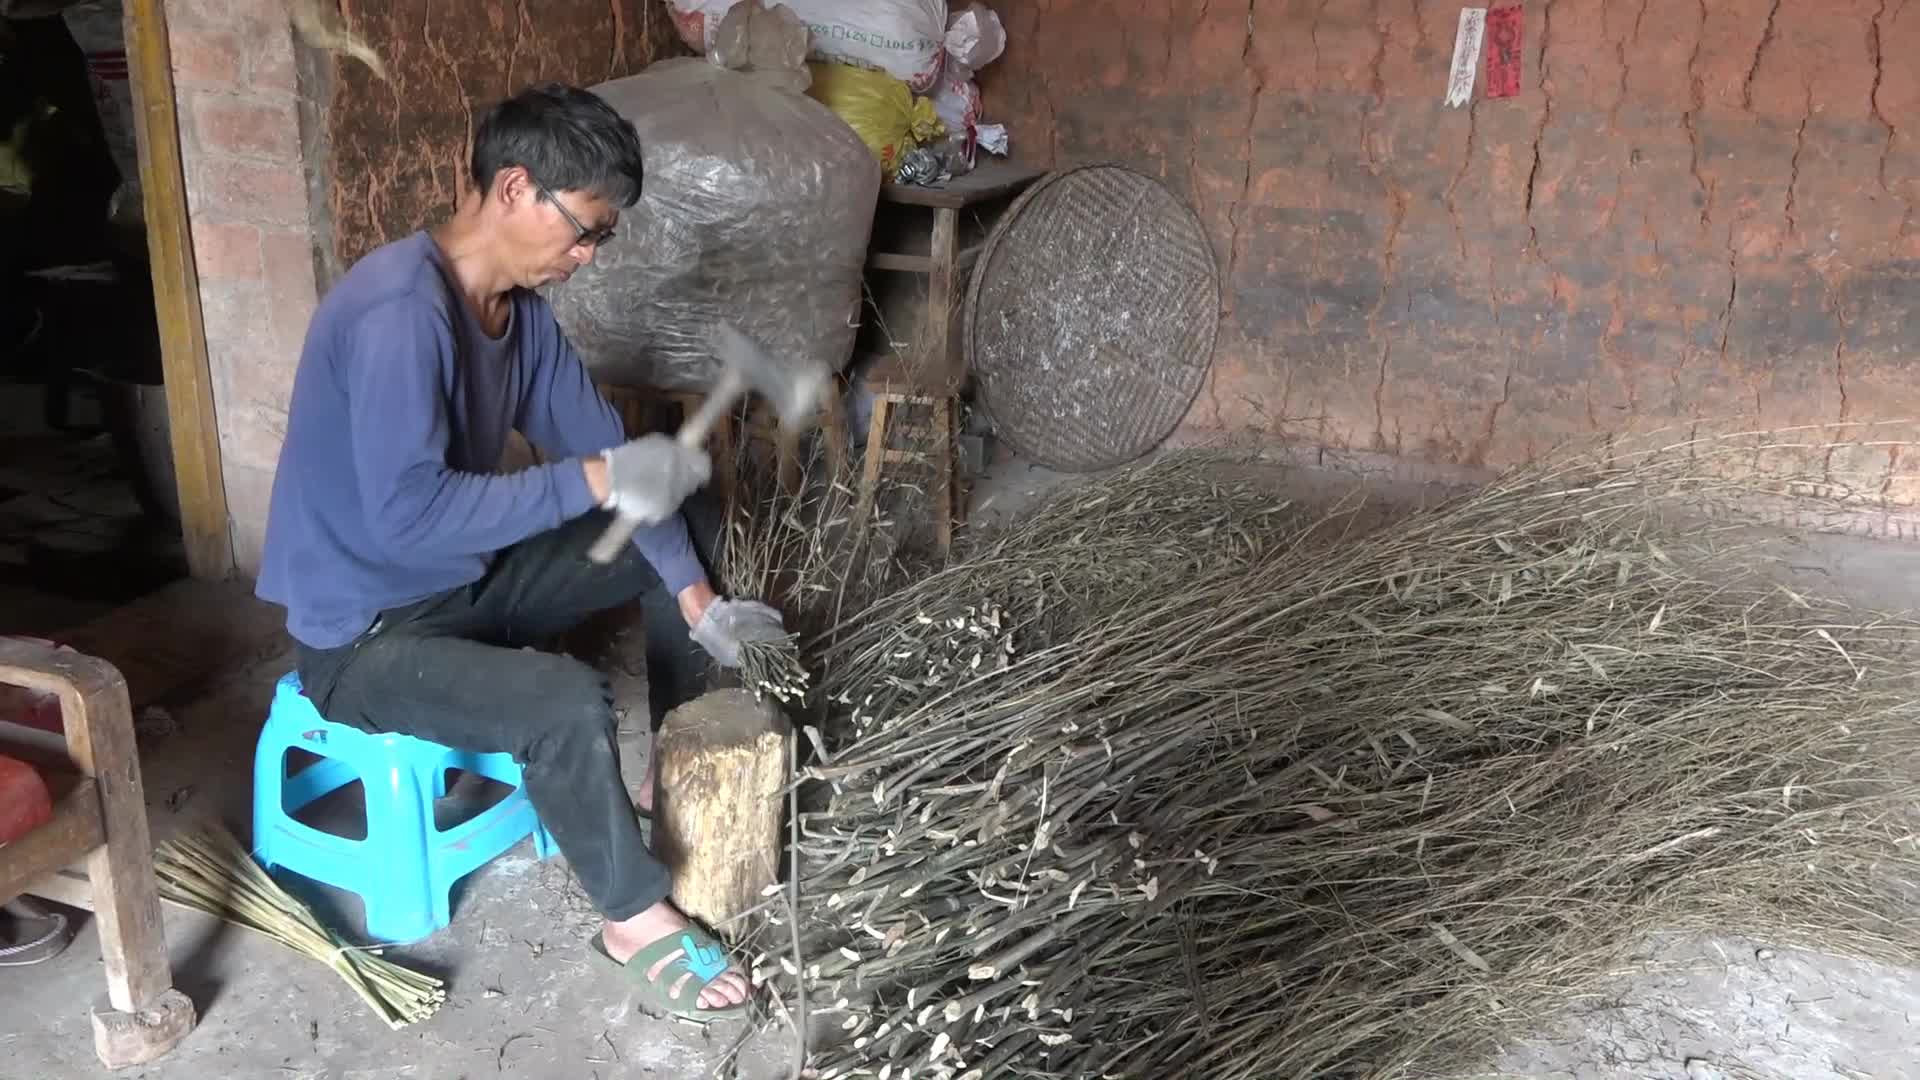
pixel 794 389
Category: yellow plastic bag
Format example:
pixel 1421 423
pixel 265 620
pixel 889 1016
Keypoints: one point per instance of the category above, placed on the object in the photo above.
pixel 879 108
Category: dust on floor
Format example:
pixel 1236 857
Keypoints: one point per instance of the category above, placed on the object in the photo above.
pixel 1728 1009
pixel 523 1002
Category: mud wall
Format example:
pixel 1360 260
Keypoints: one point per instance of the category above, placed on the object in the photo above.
pixel 398 147
pixel 1699 209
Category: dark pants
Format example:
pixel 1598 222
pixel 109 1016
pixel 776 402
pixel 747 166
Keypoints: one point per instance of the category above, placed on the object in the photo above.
pixel 456 669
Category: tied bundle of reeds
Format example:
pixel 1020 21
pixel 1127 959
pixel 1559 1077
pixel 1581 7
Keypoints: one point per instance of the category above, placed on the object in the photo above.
pixel 208 870
pixel 1171 780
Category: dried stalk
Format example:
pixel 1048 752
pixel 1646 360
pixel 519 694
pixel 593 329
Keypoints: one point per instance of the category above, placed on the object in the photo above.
pixel 798 551
pixel 1174 780
pixel 209 871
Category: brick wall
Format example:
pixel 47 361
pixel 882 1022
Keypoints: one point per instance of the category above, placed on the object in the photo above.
pixel 1692 210
pixel 297 163
pixel 240 132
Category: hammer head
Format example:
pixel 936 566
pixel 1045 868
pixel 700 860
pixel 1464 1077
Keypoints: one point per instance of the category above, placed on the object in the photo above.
pixel 795 388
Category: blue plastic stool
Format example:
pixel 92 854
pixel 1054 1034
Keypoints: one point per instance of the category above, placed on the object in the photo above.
pixel 405 869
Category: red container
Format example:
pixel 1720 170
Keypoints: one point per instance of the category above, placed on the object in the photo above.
pixel 24 802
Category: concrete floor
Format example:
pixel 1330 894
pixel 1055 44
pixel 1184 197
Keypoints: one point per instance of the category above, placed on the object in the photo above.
pixel 523 1002
pixel 1731 1009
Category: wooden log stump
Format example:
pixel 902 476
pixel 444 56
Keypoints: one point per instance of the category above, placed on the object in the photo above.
pixel 720 805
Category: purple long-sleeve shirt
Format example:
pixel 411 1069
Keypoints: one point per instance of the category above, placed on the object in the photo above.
pixel 387 490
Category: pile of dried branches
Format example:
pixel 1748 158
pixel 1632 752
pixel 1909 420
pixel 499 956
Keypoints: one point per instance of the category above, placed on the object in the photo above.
pixel 1172 780
pixel 792 541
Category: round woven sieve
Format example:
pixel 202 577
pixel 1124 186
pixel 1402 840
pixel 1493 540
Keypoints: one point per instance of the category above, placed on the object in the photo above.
pixel 1091 317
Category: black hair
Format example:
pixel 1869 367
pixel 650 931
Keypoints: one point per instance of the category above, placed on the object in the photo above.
pixel 569 139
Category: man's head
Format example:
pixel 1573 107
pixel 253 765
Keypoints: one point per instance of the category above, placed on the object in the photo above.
pixel 554 165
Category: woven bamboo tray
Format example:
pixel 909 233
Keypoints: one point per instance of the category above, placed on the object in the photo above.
pixel 1091 317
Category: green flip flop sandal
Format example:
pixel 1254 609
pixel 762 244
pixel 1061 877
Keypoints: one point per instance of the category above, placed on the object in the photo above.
pixel 695 953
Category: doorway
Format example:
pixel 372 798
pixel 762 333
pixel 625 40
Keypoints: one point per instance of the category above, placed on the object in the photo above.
pixel 91 513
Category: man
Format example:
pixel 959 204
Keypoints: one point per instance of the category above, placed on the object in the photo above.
pixel 414 575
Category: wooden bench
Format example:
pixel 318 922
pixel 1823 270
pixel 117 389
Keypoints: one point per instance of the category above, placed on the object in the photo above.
pixel 102 817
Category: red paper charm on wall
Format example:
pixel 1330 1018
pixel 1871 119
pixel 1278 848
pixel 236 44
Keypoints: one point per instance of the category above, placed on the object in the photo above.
pixel 1503 52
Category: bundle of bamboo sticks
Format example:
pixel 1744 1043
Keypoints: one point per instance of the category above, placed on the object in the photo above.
pixel 208 870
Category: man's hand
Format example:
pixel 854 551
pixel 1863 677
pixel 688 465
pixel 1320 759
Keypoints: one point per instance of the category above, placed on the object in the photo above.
pixel 727 624
pixel 647 479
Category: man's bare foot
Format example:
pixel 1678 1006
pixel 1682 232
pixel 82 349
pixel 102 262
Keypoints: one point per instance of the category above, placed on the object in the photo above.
pixel 624 939
pixel 643 801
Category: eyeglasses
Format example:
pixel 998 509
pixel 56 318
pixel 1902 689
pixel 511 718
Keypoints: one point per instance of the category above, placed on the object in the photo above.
pixel 585 237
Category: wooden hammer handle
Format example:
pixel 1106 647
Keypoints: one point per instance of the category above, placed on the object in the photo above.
pixel 692 434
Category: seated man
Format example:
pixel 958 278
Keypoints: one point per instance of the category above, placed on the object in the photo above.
pixel 414 574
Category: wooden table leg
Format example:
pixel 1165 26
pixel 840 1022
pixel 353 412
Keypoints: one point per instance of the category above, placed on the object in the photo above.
pixel 99 722
pixel 786 439
pixel 630 406
pixel 723 449
pixel 943 473
pixel 940 350
pixel 833 429
pixel 876 454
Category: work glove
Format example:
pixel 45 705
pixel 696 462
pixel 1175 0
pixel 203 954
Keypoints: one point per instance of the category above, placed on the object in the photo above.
pixel 651 476
pixel 727 624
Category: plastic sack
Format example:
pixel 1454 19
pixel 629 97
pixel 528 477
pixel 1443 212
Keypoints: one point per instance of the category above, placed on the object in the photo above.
pixel 904 38
pixel 25 803
pixel 754 37
pixel 97 28
pixel 956 100
pixel 757 206
pixel 975 37
pixel 879 108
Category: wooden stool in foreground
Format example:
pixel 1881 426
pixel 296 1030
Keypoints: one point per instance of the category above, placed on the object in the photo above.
pixel 104 818
pixel 720 804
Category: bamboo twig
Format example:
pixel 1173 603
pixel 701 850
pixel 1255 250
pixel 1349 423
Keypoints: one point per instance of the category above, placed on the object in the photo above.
pixel 209 871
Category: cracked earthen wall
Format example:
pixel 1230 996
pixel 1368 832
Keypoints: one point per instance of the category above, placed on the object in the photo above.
pixel 399 147
pixel 1695 208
